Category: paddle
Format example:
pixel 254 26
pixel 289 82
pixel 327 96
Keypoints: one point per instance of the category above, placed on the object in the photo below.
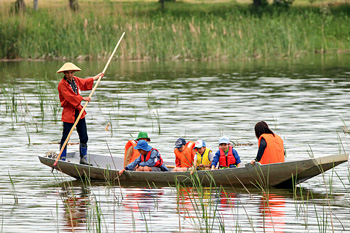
pixel 83 109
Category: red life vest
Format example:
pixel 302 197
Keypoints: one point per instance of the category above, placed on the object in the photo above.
pixel 226 161
pixel 274 151
pixel 158 163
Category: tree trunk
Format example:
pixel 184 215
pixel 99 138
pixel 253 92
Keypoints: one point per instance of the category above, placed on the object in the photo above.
pixel 162 3
pixel 260 3
pixel 74 5
pixel 35 5
pixel 20 6
pixel 257 3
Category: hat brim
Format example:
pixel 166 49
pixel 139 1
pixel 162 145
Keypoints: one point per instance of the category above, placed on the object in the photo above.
pixel 145 149
pixel 68 67
pixel 67 70
pixel 143 138
pixel 224 142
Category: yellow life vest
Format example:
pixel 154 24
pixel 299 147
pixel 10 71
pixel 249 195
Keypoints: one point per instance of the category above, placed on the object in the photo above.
pixel 205 158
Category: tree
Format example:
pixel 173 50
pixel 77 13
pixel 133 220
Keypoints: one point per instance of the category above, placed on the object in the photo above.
pixel 35 5
pixel 259 3
pixel 20 6
pixel 163 1
pixel 74 5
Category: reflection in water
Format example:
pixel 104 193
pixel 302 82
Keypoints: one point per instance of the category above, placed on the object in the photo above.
pixel 303 99
pixel 272 212
pixel 185 206
pixel 142 199
pixel 76 203
pixel 227 199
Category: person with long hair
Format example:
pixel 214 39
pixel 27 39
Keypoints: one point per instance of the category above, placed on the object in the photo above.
pixel 271 148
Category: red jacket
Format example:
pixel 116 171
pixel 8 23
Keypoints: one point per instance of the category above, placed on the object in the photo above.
pixel 71 101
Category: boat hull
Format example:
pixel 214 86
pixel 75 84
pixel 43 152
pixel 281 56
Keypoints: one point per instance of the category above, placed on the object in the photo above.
pixel 282 175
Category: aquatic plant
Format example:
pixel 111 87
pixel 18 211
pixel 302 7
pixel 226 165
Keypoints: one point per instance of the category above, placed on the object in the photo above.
pixel 14 190
pixel 204 207
pixel 27 131
pixel 183 31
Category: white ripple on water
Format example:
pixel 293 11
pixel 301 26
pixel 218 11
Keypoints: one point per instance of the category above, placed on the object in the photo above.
pixel 305 111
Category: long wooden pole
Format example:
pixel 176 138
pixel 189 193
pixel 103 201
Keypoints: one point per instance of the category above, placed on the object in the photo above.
pixel 83 109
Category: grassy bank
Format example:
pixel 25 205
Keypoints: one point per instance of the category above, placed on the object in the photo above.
pixel 181 31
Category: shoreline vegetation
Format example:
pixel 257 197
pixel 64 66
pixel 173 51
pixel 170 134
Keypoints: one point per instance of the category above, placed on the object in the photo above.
pixel 181 31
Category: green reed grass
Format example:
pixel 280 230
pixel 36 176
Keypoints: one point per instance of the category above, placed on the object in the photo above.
pixel 27 132
pixel 14 190
pixel 205 207
pixel 183 31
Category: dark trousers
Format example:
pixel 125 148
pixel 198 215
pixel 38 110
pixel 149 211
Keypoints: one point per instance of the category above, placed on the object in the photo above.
pixel 81 128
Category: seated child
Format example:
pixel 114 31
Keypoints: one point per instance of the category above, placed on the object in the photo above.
pixel 149 159
pixel 184 155
pixel 226 156
pixel 203 157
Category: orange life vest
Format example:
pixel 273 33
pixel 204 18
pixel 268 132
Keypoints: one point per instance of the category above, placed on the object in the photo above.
pixel 226 160
pixel 135 153
pixel 185 157
pixel 274 151
pixel 159 158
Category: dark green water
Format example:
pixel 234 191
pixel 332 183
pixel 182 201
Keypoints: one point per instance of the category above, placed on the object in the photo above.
pixel 304 101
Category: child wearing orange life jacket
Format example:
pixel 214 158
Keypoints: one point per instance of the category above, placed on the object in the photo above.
pixel 184 155
pixel 149 159
pixel 131 153
pixel 226 156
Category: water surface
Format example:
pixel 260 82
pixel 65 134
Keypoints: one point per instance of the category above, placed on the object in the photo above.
pixel 305 102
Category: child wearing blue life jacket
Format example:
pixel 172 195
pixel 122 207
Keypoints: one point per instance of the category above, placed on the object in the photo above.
pixel 149 160
pixel 226 156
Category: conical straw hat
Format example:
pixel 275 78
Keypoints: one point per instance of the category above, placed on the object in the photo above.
pixel 67 67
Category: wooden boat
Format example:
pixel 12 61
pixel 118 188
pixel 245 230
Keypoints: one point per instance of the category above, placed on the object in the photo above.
pixel 281 175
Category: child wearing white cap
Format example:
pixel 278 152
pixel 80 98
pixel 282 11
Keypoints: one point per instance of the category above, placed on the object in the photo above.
pixel 226 156
pixel 203 157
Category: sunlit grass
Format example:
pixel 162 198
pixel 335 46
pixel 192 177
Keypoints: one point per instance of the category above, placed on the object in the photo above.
pixel 182 31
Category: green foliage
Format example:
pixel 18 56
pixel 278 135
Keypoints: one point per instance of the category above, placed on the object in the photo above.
pixel 180 31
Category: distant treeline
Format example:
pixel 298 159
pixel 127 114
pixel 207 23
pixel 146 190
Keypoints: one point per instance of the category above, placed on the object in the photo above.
pixel 180 31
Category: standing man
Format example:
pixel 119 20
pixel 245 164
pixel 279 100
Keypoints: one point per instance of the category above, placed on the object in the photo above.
pixel 69 92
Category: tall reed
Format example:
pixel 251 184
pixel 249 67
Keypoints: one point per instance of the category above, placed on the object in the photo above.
pixel 14 190
pixel 183 31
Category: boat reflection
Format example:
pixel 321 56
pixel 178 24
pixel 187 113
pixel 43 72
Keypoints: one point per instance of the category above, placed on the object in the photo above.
pixel 272 213
pixel 226 199
pixel 76 201
pixel 142 199
pixel 195 202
